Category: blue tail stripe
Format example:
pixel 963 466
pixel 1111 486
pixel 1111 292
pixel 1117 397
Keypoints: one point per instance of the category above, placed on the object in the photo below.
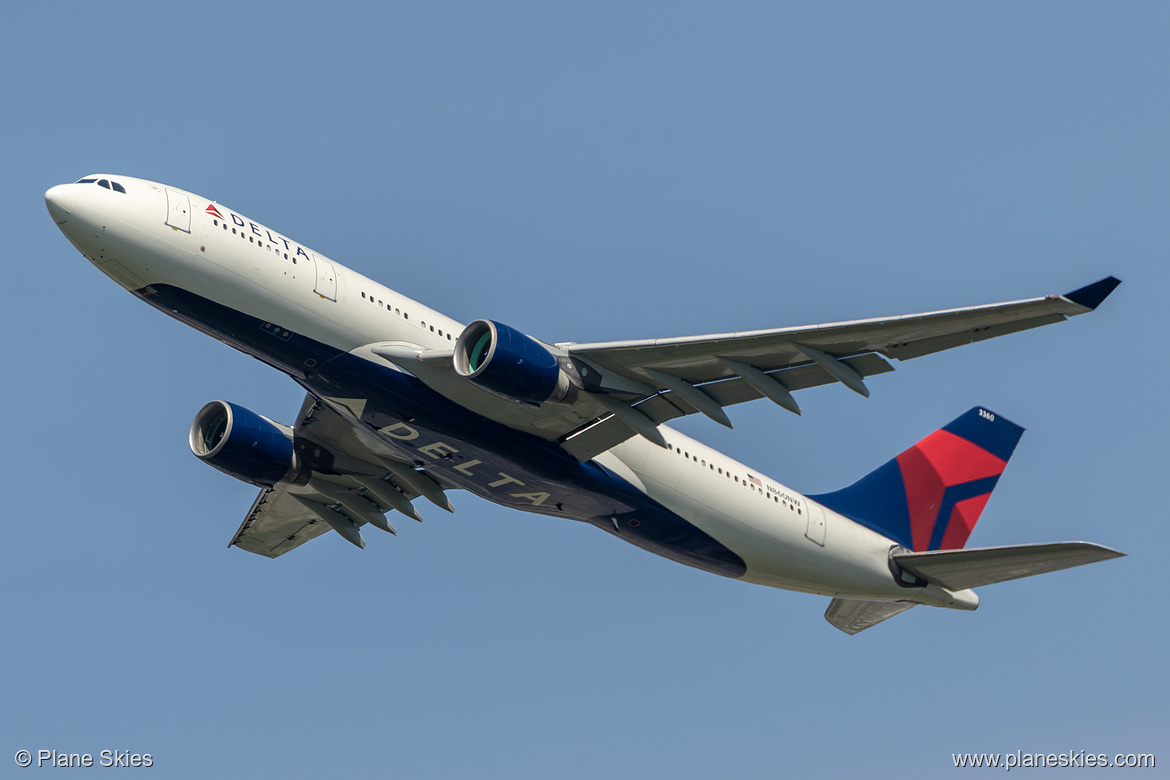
pixel 953 495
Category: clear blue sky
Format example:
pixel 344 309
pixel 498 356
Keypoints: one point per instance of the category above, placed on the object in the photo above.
pixel 589 172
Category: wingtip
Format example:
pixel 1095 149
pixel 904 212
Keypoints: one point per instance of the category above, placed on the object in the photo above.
pixel 1107 553
pixel 1091 295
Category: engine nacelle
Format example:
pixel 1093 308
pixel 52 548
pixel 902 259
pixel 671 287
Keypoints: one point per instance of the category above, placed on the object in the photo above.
pixel 241 443
pixel 506 362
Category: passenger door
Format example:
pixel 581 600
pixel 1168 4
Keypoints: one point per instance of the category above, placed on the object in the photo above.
pixel 178 210
pixel 816 523
pixel 326 279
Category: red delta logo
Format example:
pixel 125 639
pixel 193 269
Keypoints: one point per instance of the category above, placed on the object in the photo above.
pixel 948 480
pixel 213 211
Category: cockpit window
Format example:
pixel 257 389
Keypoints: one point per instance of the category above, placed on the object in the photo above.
pixel 108 184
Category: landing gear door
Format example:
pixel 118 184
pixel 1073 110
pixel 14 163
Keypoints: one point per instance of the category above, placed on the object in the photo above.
pixel 326 279
pixel 178 210
pixel 816 523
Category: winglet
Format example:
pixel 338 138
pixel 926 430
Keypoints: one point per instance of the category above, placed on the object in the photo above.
pixel 1091 295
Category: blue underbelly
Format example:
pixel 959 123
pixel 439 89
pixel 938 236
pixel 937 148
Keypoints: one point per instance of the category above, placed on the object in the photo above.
pixel 460 447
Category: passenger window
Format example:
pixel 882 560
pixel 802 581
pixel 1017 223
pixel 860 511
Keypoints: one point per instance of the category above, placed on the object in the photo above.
pixel 104 183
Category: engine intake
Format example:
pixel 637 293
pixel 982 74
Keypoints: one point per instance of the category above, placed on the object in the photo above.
pixel 241 443
pixel 512 365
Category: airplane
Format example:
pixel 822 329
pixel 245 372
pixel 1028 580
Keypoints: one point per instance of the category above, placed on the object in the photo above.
pixel 403 402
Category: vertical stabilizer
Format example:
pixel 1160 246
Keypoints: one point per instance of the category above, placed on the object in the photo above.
pixel 931 496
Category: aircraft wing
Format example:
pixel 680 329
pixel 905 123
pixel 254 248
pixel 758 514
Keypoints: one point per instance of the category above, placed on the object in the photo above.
pixel 659 379
pixel 354 481
pixel 277 523
pixel 696 359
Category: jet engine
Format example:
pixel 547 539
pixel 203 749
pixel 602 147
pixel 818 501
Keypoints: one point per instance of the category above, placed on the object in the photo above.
pixel 512 365
pixel 243 444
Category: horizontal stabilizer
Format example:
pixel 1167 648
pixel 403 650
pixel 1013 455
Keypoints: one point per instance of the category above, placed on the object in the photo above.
pixel 961 569
pixel 854 615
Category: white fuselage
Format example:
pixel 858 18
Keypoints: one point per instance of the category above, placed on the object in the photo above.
pixel 157 235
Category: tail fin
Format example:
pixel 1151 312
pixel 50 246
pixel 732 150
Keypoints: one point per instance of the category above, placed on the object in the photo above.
pixel 931 496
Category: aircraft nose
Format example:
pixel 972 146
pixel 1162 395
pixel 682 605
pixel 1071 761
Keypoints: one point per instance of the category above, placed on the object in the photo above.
pixel 59 201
